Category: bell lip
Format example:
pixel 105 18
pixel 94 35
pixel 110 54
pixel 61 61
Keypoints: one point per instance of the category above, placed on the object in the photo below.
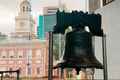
pixel 69 65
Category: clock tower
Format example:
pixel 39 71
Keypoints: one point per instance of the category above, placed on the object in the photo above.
pixel 24 21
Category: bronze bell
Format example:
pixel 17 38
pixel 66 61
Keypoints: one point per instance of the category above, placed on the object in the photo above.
pixel 79 51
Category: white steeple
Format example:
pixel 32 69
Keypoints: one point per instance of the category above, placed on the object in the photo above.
pixel 25 6
pixel 24 20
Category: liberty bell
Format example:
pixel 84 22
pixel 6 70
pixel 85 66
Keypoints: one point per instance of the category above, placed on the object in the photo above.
pixel 79 51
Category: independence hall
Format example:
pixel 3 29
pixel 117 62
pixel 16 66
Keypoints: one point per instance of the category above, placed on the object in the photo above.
pixel 22 50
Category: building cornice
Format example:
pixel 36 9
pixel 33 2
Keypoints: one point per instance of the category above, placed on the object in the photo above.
pixel 24 44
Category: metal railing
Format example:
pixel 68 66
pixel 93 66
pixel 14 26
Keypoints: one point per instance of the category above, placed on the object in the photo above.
pixel 9 75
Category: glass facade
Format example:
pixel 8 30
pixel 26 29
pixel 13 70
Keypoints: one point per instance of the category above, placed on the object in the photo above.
pixel 46 23
pixel 49 22
pixel 40 28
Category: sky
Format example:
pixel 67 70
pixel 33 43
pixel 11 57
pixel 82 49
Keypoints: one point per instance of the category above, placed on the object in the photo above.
pixel 8 11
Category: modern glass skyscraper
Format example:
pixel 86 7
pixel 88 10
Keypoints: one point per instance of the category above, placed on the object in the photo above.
pixel 40 28
pixel 45 24
pixel 46 21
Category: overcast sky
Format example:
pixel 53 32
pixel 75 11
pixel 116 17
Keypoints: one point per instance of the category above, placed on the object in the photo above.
pixel 9 9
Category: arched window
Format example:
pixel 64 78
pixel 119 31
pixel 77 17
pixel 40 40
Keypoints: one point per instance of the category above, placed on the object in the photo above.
pixel 29 70
pixel 38 70
pixel 11 54
pixel 20 54
pixel 23 8
pixel 4 54
pixel 27 8
pixel 39 54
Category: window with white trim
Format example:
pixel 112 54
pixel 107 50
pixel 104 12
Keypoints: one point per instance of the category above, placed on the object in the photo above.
pixel 3 54
pixel 11 54
pixel 20 54
pixel 39 53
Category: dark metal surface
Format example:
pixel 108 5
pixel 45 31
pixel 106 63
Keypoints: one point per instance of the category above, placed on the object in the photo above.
pixel 18 74
pixel 15 71
pixel 75 18
pixel 50 64
pixel 79 52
